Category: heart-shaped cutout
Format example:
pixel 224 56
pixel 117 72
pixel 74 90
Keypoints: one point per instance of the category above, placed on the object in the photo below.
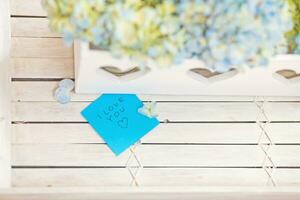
pixel 94 47
pixel 126 75
pixel 207 76
pixel 287 75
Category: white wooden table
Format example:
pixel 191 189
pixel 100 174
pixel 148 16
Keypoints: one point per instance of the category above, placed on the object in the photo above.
pixel 208 148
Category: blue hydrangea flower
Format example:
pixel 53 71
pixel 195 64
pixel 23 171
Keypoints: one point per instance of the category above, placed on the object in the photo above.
pixel 223 34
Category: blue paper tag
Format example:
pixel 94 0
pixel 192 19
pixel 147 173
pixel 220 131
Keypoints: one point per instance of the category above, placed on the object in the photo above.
pixel 116 119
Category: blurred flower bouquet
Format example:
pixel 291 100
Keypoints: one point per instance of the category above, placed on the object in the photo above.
pixel 293 36
pixel 223 34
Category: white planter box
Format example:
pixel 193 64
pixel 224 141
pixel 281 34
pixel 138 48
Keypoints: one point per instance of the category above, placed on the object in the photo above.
pixel 94 74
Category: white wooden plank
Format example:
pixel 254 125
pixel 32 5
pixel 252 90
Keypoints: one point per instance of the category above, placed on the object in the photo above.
pixel 171 177
pixel 226 111
pixel 58 68
pixel 31 27
pixel 189 133
pixel 41 68
pixel 40 48
pixel 176 112
pixel 43 91
pixel 71 177
pixel 143 193
pixel 27 8
pixel 153 155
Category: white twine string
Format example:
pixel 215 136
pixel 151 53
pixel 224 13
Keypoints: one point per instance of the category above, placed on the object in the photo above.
pixel 263 122
pixel 133 164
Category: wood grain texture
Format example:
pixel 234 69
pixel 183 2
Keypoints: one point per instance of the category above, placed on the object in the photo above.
pixel 31 27
pixel 33 68
pixel 151 177
pixel 40 48
pixel 146 193
pixel 153 155
pixel 63 68
pixel 172 111
pixel 182 133
pixel 27 8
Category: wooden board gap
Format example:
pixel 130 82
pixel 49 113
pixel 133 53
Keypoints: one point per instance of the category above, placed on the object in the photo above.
pixel 37 79
pixel 147 167
pixel 27 16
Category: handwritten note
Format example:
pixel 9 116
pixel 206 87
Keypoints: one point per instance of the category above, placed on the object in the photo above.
pixel 116 119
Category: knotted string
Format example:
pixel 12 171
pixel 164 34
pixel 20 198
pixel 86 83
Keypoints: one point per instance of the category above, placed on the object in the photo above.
pixel 263 122
pixel 133 164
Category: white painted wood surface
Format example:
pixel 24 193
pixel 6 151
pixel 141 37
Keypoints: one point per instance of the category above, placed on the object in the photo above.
pixel 27 8
pixel 50 48
pixel 43 90
pixel 148 177
pixel 209 141
pixel 171 111
pixel 165 133
pixel 143 193
pixel 153 155
pixel 5 164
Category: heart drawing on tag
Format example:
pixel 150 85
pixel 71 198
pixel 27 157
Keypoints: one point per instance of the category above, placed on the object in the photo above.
pixel 123 123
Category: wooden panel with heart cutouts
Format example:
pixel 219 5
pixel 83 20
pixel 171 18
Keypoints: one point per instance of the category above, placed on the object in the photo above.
pixel 188 78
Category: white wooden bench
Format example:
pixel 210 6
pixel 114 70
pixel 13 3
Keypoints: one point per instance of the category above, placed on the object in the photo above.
pixel 209 149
